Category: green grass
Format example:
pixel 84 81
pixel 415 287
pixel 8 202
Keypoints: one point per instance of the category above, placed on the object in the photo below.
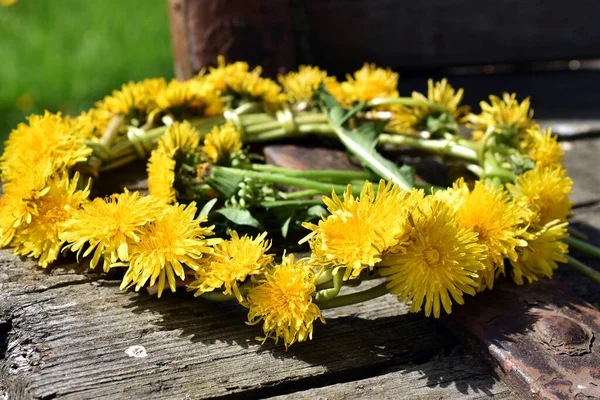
pixel 63 55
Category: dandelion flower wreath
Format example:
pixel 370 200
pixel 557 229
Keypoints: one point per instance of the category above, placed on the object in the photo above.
pixel 220 222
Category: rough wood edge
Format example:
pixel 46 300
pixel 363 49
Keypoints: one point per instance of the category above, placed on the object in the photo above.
pixel 182 62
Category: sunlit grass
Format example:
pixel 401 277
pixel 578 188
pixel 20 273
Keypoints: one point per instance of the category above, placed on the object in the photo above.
pixel 63 55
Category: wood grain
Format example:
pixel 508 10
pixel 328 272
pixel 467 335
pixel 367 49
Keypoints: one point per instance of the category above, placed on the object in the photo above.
pixel 456 377
pixel 66 334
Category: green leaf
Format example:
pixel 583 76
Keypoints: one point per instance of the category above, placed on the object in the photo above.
pixel 207 207
pixel 239 216
pixel 408 172
pixel 362 141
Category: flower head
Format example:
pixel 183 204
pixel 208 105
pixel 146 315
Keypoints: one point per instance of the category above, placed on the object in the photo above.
pixel 93 122
pixel 134 98
pixel 41 237
pixel 237 79
pixel 18 205
pixel 497 221
pixel 106 227
pixel 221 143
pixel 300 86
pixel 161 176
pixel 544 250
pixel 424 118
pixel 368 83
pixel 231 262
pixel 504 114
pixel 439 259
pixel 172 240
pixel 542 147
pixel 180 136
pixel 193 96
pixel 283 301
pixel 359 229
pixel 544 191
pixel 47 138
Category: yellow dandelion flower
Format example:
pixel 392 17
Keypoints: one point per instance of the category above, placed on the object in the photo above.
pixel 180 136
pixel 221 143
pixel 94 121
pixel 504 114
pixel 172 240
pixel 106 227
pixel 191 96
pixel 368 83
pixel 18 205
pixel 41 237
pixel 134 98
pixel 359 229
pixel 497 221
pixel 161 176
pixel 439 259
pixel 7 3
pixel 544 250
pixel 236 78
pixel 300 86
pixel 219 75
pixel 232 261
pixel 542 147
pixel 415 119
pixel 544 191
pixel 46 138
pixel 283 301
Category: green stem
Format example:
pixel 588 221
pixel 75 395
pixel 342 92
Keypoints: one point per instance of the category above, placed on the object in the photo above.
pixel 353 298
pixel 293 203
pixel 583 269
pixel 325 277
pixel 441 147
pixel 321 129
pixel 583 246
pixel 325 174
pixel 576 233
pixel 323 188
pixel 301 194
pixel 328 294
pixel 491 168
pixel 406 101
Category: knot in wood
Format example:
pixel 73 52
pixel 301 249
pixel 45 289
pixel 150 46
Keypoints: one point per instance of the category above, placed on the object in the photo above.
pixel 562 335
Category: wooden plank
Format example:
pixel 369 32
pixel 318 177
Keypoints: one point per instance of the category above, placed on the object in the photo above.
pixel 456 377
pixel 66 335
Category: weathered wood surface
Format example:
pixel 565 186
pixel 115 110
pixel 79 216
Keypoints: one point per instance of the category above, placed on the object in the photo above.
pixel 64 333
pixel 65 336
pixel 455 377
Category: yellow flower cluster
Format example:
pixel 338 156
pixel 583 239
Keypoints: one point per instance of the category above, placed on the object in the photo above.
pixel 435 248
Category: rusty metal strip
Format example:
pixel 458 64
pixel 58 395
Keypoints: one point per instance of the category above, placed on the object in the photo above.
pixel 541 340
